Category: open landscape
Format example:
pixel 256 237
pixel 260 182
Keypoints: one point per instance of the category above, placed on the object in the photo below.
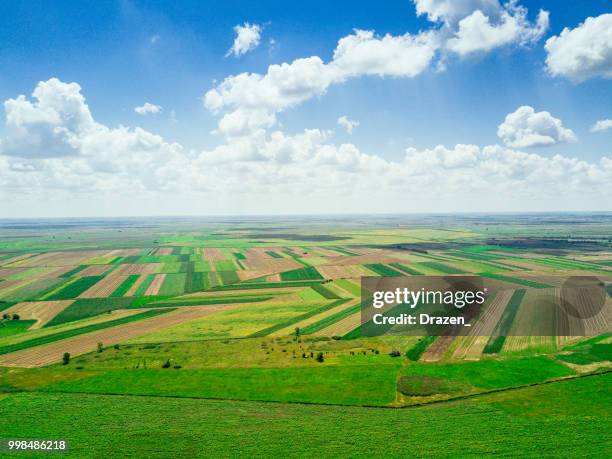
pixel 227 314
pixel 321 229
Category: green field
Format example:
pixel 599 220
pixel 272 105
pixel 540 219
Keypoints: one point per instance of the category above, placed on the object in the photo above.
pixel 575 413
pixel 267 348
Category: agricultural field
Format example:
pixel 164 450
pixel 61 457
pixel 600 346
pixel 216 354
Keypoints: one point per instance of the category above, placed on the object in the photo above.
pixel 220 318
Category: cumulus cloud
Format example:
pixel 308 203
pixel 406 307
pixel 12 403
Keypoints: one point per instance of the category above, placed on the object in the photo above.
pixel 471 26
pixel 527 128
pixel 347 124
pixel 602 125
pixel 251 101
pixel 295 172
pixel 583 52
pixel 451 11
pixel 248 37
pixel 56 140
pixel 478 32
pixel 148 109
pixel 52 125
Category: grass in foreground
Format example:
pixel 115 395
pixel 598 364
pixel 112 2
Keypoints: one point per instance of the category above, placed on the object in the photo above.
pixel 564 418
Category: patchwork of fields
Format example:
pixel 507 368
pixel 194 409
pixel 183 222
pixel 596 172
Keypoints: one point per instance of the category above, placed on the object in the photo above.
pixel 241 312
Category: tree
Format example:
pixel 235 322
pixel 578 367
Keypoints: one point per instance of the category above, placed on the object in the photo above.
pixel 15 316
pixel 66 358
pixel 167 364
pixel 320 357
pixel 100 347
pixel 297 332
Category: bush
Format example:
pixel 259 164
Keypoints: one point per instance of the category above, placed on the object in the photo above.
pixel 15 316
pixel 100 347
pixel 395 353
pixel 66 358
pixel 336 337
pixel 320 357
pixel 423 386
pixel 167 364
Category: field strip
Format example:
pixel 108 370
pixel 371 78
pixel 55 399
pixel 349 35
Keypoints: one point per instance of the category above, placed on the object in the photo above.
pixel 41 311
pixel 293 320
pixel 50 353
pixel 311 320
pixel 59 336
pixel 435 352
pixel 239 292
pixel 342 327
pixel 472 345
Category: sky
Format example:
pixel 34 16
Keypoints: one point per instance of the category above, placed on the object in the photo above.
pixel 126 108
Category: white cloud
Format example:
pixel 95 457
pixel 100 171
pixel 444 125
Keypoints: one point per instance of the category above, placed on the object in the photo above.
pixel 250 101
pixel 52 125
pixel 583 52
pixel 602 125
pixel 347 124
pixel 155 39
pixel 527 128
pixel 148 108
pixel 248 37
pixel 362 53
pixel 451 11
pixel 479 32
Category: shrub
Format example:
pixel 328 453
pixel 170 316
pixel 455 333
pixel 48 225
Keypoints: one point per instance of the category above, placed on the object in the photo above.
pixel 100 347
pixel 66 358
pixel 320 357
pixel 395 353
pixel 15 316
pixel 167 364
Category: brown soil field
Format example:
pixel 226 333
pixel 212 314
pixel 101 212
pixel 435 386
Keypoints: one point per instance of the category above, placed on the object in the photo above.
pixel 143 268
pixel 41 311
pixel 164 251
pixel 343 272
pixel 246 275
pixel 288 330
pixel 16 258
pixel 212 255
pixel 260 291
pixel 341 327
pixel 471 346
pixel 50 353
pixel 435 352
pixel 104 287
pixel 6 272
pixel 363 259
pixel 116 314
pixel 155 285
pixel 133 288
pixel 123 253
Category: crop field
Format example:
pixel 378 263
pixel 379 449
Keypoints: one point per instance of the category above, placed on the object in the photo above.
pixel 173 316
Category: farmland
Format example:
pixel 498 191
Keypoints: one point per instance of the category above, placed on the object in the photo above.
pixel 202 314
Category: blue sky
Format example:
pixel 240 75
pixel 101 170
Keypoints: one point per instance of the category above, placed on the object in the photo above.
pixel 123 54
